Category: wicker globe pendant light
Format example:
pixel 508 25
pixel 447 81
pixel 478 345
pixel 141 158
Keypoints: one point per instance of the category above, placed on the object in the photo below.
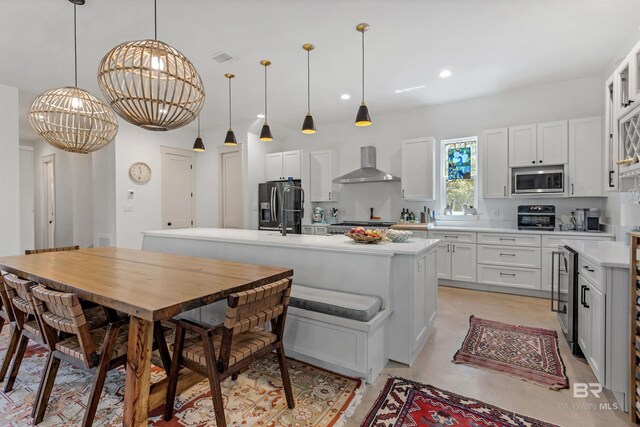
pixel 362 117
pixel 70 118
pixel 308 125
pixel 230 139
pixel 265 132
pixel 151 84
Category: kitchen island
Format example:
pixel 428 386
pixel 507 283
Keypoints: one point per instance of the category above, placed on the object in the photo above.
pixel 402 275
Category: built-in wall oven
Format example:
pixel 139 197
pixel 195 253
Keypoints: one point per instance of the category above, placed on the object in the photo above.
pixel 564 294
pixel 536 181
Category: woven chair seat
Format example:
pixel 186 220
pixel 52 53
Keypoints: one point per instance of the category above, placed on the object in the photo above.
pixel 243 345
pixel 72 347
pixel 32 326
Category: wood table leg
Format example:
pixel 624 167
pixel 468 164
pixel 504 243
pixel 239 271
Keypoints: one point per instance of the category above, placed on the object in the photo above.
pixel 138 376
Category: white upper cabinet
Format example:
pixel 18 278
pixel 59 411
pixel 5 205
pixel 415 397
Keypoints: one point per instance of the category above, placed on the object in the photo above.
pixel 522 146
pixel 281 166
pixel 495 163
pixel 322 170
pixel 552 143
pixel 585 157
pixel 418 169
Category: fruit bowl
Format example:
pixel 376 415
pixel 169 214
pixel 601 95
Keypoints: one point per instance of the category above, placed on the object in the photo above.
pixel 398 236
pixel 362 235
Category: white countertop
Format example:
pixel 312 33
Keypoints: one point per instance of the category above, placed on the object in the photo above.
pixel 605 253
pixel 338 243
pixel 515 230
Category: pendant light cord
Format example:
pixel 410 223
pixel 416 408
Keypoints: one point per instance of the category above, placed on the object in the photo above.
pixel 155 19
pixel 75 45
pixel 230 103
pixel 198 125
pixel 308 83
pixel 363 66
pixel 265 94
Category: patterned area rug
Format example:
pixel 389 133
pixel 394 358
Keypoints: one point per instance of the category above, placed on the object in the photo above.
pixel 408 403
pixel 530 354
pixel 322 398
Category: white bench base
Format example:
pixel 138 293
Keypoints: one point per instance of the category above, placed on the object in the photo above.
pixel 346 346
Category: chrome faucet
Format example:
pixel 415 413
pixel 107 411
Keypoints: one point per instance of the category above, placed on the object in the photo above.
pixel 287 190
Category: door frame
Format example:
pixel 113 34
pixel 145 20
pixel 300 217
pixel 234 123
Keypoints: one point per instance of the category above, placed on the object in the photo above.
pixel 177 152
pixel 226 150
pixel 45 160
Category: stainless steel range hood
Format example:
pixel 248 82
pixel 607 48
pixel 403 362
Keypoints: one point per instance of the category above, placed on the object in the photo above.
pixel 367 172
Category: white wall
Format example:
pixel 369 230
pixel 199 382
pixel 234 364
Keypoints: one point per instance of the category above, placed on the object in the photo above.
pixel 557 101
pixel 104 193
pixel 9 172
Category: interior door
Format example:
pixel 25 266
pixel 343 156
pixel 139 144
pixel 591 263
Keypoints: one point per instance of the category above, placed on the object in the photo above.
pixel 48 173
pixel 178 207
pixel 232 212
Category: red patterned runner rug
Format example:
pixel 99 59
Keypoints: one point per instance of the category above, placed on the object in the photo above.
pixel 408 403
pixel 527 353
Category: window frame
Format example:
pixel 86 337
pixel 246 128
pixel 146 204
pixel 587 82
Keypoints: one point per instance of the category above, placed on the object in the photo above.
pixel 443 173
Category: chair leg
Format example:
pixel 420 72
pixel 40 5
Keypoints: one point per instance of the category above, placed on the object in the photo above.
pixel 214 380
pixel 286 382
pixel 234 377
pixel 161 342
pixel 173 374
pixel 11 350
pixel 44 393
pixel 100 376
pixel 17 361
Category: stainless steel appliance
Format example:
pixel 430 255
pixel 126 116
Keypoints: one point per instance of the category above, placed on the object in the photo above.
pixel 368 171
pixel 536 217
pixel 564 294
pixel 592 223
pixel 271 199
pixel 581 219
pixel 343 227
pixel 533 181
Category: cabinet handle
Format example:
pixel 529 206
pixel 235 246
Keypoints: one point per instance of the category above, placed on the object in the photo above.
pixel 454 248
pixel 585 298
pixel 572 189
pixel 582 288
pixel 403 193
pixel 508 274
pixel 508 239
pixel 586 267
pixel 329 195
pixel 611 174
pixel 507 254
pixel 450 237
pixel 539 161
pixel 533 161
pixel 169 224
pixel 447 248
pixel 505 191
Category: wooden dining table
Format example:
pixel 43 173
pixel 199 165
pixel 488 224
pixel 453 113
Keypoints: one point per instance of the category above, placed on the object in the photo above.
pixel 149 287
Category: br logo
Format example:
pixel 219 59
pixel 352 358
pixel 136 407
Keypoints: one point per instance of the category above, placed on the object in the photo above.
pixel 582 390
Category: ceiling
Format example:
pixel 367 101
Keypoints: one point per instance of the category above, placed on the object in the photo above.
pixel 489 45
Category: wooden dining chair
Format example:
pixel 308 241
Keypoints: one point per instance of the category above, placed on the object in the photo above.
pixel 226 349
pixel 72 340
pixel 7 318
pixel 59 249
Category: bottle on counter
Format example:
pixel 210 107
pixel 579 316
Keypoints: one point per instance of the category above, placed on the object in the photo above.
pixel 406 215
pixel 412 217
pixel 402 216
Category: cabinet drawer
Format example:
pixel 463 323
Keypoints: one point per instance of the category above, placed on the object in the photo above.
pixel 454 237
pixel 555 241
pixel 523 278
pixel 307 229
pixel 509 239
pixel 593 272
pixel 509 256
pixel 320 230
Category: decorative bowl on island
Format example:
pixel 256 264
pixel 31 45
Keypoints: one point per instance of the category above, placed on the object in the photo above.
pixel 362 235
pixel 398 236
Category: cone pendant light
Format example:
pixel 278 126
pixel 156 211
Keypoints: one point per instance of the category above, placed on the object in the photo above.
pixel 308 125
pixel 230 139
pixel 198 145
pixel 265 133
pixel 362 118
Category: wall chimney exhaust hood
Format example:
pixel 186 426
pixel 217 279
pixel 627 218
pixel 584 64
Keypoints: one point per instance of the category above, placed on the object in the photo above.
pixel 367 172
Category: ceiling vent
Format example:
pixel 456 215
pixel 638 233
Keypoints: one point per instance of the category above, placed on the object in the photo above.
pixel 222 57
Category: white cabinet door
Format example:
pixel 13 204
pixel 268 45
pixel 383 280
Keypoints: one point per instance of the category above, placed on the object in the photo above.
pixel 420 321
pixel 584 321
pixel 494 163
pixel 444 260
pixel 418 169
pixel 522 146
pixel 585 157
pixel 273 168
pixel 596 302
pixel 322 166
pixel 292 164
pixel 463 262
pixel 552 143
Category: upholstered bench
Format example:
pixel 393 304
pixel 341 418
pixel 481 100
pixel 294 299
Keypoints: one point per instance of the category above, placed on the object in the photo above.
pixel 336 330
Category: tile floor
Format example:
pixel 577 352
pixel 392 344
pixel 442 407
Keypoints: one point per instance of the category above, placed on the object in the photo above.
pixel 434 366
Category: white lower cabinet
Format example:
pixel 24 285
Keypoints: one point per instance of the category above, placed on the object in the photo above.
pixel 456 261
pixel 591 326
pixel 444 260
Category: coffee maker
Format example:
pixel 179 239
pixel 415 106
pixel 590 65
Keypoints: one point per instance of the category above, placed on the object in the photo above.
pixel 592 222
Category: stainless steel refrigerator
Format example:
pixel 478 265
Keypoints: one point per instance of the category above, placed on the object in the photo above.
pixel 270 198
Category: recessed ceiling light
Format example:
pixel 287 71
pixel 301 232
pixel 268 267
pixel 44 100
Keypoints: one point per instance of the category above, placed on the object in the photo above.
pixel 345 96
pixel 409 89
pixel 260 116
pixel 445 73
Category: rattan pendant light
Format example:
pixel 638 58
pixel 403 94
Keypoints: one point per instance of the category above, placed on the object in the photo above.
pixel 230 139
pixel 362 118
pixel 70 118
pixel 308 125
pixel 198 145
pixel 265 133
pixel 151 84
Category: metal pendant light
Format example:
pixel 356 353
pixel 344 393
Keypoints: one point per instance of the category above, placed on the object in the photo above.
pixel 198 145
pixel 308 125
pixel 150 84
pixel 362 118
pixel 230 139
pixel 265 133
pixel 70 118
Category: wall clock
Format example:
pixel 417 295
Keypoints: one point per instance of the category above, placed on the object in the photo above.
pixel 140 173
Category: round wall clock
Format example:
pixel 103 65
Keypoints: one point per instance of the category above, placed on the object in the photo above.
pixel 140 172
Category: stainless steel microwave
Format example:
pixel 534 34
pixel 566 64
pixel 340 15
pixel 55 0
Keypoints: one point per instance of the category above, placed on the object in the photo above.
pixel 533 181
